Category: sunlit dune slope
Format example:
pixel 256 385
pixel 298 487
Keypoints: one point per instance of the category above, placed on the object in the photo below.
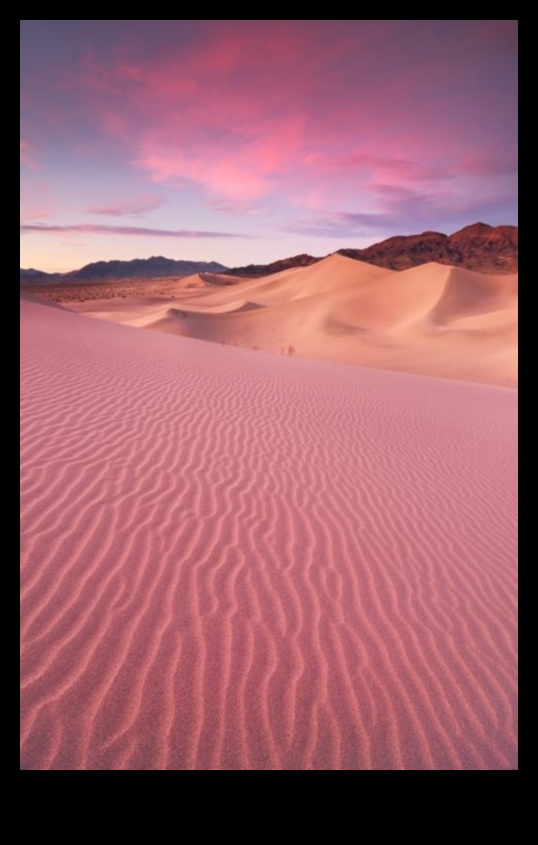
pixel 432 319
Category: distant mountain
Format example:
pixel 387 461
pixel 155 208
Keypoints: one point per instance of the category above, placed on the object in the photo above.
pixel 138 268
pixel 276 266
pixel 34 275
pixel 488 249
pixel 145 268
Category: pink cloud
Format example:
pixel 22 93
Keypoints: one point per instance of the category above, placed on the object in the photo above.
pixel 496 33
pixel 26 157
pixel 489 166
pixel 231 114
pixel 137 231
pixel 128 208
pixel 290 111
pixel 37 199
pixel 382 168
pixel 398 209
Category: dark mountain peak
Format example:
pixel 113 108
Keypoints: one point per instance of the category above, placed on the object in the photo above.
pixel 489 249
pixel 402 251
pixel 35 276
pixel 148 268
pixel 137 268
pixel 474 227
pixel 482 231
pixel 302 260
pixel 38 274
pixel 481 247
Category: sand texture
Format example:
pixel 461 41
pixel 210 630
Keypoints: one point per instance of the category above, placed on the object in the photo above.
pixel 239 560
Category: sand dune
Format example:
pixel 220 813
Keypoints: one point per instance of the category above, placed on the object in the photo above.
pixel 242 561
pixel 433 319
pixel 330 274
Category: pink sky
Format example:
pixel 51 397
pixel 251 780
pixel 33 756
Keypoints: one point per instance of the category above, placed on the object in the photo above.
pixel 246 141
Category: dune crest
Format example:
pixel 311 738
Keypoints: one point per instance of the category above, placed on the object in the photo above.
pixel 432 319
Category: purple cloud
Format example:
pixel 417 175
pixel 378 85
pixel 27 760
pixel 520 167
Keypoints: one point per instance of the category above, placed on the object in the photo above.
pixel 338 224
pixel 138 231
pixel 406 211
pixel 128 208
pixel 26 157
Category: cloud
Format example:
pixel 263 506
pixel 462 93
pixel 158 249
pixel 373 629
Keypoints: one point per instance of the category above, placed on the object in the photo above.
pixel 289 118
pixel 26 158
pixel 404 207
pixel 378 167
pixel 233 113
pixel 498 32
pixel 338 224
pixel 37 199
pixel 137 231
pixel 128 208
pixel 406 211
pixel 488 167
pixel 236 207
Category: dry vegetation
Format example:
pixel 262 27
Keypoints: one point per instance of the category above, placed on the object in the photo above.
pixel 118 289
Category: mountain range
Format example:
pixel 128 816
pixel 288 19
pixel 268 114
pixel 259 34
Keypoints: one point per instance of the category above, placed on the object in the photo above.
pixel 486 249
pixel 139 268
pixel 479 247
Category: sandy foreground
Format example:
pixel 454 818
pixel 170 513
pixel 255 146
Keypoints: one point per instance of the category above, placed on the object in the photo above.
pixel 239 560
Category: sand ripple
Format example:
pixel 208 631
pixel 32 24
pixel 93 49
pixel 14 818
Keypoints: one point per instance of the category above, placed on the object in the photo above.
pixel 232 560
